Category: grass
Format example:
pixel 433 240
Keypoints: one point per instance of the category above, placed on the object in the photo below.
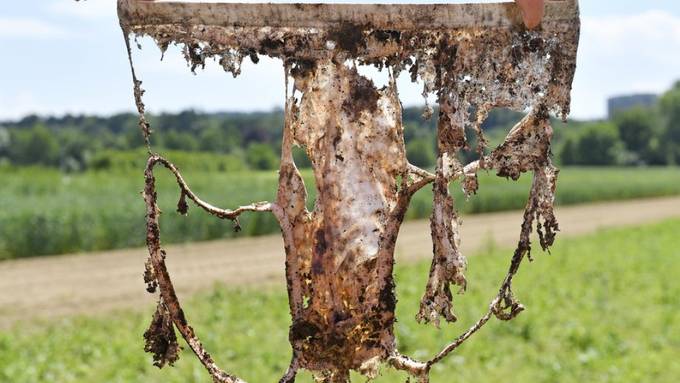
pixel 48 212
pixel 601 308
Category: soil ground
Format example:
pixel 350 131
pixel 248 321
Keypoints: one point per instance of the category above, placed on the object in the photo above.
pixel 47 287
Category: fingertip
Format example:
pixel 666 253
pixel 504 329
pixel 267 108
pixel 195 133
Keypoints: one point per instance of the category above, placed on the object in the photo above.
pixel 532 12
pixel 531 23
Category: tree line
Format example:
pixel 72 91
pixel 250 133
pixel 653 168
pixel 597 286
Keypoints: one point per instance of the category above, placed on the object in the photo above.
pixel 637 136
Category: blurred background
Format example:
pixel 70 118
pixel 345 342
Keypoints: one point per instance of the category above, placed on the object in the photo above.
pixel 602 307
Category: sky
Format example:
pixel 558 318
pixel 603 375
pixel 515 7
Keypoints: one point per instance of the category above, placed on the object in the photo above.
pixel 64 57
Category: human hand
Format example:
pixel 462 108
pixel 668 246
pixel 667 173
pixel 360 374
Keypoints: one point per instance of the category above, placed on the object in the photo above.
pixel 532 12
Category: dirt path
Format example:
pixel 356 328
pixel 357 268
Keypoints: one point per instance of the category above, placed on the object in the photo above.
pixel 90 283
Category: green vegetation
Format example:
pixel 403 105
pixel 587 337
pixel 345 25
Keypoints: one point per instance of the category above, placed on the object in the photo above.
pixel 78 143
pixel 49 212
pixel 602 308
pixel 71 183
pixel 597 144
pixel 636 136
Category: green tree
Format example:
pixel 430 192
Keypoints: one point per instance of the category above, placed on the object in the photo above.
pixel 568 153
pixel 36 145
pixel 596 144
pixel 301 159
pixel 232 135
pixel 5 141
pixel 669 104
pixel 75 149
pixel 261 156
pixel 213 140
pixel 179 141
pixel 133 138
pixel 599 144
pixel 636 127
pixel 420 152
pixel 640 131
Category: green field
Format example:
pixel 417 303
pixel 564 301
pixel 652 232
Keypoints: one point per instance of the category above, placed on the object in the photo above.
pixel 601 308
pixel 45 211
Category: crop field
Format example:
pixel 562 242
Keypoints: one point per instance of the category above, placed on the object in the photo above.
pixel 48 212
pixel 600 308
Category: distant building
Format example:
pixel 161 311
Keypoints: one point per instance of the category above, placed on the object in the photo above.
pixel 621 103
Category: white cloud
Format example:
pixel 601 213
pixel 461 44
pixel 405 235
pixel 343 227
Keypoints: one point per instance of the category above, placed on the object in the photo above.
pixel 618 54
pixel 87 10
pixel 29 28
pixel 624 54
pixel 655 27
pixel 18 105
